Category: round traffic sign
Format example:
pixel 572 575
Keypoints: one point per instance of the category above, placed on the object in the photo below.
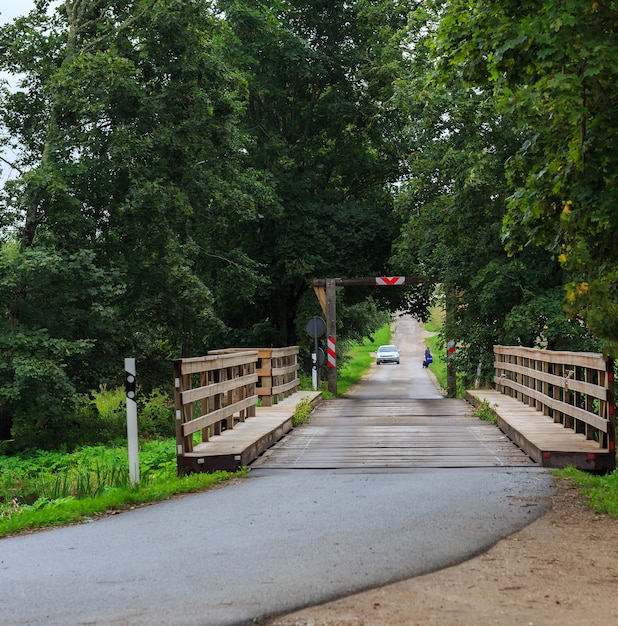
pixel 315 327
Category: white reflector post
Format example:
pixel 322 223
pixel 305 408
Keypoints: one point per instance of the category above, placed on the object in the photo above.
pixel 129 366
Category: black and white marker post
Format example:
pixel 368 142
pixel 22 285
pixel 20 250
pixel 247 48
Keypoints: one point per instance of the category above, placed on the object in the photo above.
pixel 129 366
pixel 315 328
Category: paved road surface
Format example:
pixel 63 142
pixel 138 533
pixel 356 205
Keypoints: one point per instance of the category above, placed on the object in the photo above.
pixel 408 379
pixel 275 542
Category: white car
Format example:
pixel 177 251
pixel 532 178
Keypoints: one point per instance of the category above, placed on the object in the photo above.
pixel 387 354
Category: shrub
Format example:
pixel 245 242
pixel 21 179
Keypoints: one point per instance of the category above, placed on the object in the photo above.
pixel 112 410
pixel 155 416
pixel 485 412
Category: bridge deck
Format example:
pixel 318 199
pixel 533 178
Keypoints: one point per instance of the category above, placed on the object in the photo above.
pixel 374 433
pixel 549 444
pixel 398 433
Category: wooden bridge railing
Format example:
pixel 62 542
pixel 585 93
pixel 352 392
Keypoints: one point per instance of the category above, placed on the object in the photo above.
pixel 575 389
pixel 277 371
pixel 211 393
pixel 215 392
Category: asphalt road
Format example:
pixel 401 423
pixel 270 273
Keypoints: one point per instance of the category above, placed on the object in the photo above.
pixel 408 380
pixel 270 544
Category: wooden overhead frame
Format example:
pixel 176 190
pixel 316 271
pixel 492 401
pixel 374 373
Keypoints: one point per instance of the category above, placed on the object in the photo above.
pixel 325 290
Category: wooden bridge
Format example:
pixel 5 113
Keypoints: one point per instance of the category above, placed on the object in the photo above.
pixel 559 407
pixel 233 405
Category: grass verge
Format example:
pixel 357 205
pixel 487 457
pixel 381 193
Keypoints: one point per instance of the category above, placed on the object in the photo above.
pixel 436 345
pixel 600 491
pixel 46 489
pixel 360 358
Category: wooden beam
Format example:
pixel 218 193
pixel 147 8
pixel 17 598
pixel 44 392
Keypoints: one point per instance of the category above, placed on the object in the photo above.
pixel 320 292
pixel 368 281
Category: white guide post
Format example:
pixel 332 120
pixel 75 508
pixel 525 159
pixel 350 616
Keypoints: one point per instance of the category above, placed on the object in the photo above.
pixel 129 366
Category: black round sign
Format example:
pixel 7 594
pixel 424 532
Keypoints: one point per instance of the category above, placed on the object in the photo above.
pixel 315 327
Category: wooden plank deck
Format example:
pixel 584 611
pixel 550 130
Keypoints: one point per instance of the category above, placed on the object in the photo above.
pixel 548 443
pixel 382 434
pixel 238 447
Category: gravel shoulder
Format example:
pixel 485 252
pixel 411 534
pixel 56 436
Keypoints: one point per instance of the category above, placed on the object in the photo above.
pixel 560 570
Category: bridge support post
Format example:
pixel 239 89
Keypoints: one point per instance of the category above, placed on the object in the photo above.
pixel 331 334
pixel 451 368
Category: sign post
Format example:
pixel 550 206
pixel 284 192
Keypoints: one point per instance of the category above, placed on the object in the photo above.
pixel 315 328
pixel 129 366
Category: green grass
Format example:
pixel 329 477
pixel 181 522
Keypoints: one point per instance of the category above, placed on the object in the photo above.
pixel 359 360
pixel 436 345
pixel 485 412
pixel 302 412
pixel 600 491
pixel 46 489
pixel 438 350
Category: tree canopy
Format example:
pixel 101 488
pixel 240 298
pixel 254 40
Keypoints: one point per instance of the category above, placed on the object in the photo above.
pixel 185 168
pixel 551 68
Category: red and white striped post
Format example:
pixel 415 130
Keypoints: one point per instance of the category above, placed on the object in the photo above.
pixel 331 350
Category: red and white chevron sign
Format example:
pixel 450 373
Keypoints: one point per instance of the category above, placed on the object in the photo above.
pixel 331 351
pixel 390 280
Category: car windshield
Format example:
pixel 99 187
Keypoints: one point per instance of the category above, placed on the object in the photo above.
pixel 387 349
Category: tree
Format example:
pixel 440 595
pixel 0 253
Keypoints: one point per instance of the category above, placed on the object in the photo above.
pixel 320 77
pixel 132 177
pixel 551 66
pixel 453 204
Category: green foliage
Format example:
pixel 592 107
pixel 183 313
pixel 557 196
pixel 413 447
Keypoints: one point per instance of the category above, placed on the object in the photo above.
pixel 182 170
pixel 319 78
pixel 437 345
pixel 130 180
pixel 50 488
pixel 111 407
pixel 454 203
pixel 47 339
pixel 601 491
pixel 361 356
pixel 550 67
pixel 484 411
pixel 156 415
pixel 302 412
pixel 539 321
pixel 438 350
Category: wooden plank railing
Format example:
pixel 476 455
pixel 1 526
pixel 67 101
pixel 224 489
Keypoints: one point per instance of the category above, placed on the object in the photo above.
pixel 575 389
pixel 212 393
pixel 277 371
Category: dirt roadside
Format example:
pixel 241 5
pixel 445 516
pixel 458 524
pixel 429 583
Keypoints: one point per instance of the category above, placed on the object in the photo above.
pixel 560 570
